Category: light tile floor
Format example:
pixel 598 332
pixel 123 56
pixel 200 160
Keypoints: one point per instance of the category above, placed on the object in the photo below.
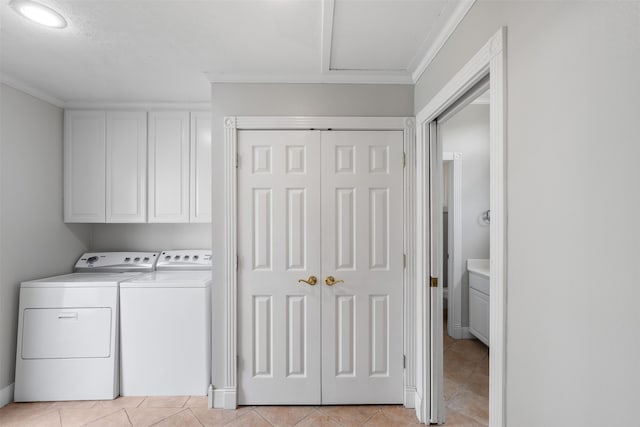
pixel 193 411
pixel 466 383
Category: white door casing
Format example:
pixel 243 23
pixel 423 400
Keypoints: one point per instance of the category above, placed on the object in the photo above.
pixel 362 219
pixel 278 245
pixel 435 266
pixel 491 60
pixel 279 238
pixel 225 358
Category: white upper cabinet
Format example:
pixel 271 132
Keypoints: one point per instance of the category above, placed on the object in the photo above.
pixel 168 167
pixel 200 209
pixel 134 166
pixel 84 166
pixel 126 162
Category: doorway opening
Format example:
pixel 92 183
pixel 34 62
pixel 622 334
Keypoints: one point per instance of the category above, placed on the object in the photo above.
pixel 487 67
pixel 375 160
pixel 465 255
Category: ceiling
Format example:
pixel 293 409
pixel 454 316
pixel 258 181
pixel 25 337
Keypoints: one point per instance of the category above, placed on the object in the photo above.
pixel 171 50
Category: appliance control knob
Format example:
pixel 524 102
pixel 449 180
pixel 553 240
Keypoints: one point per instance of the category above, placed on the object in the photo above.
pixel 177 257
pixel 127 259
pixel 186 257
pixel 92 259
pixel 136 259
pixel 167 258
pixel 146 259
pixel 195 257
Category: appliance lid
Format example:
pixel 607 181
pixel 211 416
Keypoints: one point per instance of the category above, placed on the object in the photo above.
pixel 184 259
pixel 79 280
pixel 169 279
pixel 117 262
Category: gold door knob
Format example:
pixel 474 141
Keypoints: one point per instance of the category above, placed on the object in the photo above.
pixel 330 281
pixel 312 280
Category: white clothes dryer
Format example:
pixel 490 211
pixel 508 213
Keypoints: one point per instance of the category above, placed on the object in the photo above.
pixel 68 329
pixel 166 327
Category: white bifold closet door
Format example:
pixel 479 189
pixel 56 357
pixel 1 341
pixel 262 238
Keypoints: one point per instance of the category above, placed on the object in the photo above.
pixel 323 204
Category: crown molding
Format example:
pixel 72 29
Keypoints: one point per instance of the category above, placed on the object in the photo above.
pixel 30 90
pixel 449 27
pixel 143 106
pixel 333 76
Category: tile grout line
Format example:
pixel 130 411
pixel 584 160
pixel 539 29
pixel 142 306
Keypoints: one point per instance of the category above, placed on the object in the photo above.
pixel 307 416
pixel 165 418
pixel 128 417
pixel 260 415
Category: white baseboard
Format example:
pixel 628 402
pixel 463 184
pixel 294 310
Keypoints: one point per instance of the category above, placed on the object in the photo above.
pixel 466 335
pixel 418 404
pixel 461 333
pixel 225 398
pixel 409 397
pixel 6 395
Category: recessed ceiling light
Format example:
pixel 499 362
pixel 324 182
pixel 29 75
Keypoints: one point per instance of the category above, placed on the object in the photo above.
pixel 39 13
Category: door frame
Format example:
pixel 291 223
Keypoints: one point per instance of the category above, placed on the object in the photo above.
pixel 489 60
pixel 454 235
pixel 225 247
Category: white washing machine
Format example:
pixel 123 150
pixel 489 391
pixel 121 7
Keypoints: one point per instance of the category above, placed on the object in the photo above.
pixel 165 323
pixel 68 329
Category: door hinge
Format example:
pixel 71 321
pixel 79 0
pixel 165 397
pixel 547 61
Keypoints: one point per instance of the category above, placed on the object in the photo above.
pixel 237 160
pixel 433 282
pixel 404 160
pixel 404 361
pixel 404 260
pixel 237 262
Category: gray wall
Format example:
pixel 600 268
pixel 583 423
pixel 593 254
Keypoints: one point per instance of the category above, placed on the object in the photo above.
pixel 34 242
pixel 150 237
pixel 468 133
pixel 282 100
pixel 573 282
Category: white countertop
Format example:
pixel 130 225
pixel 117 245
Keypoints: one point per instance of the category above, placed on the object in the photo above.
pixel 480 266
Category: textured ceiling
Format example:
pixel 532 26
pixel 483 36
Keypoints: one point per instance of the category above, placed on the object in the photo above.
pixel 170 50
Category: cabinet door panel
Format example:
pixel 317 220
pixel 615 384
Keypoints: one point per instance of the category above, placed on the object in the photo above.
pixel 168 167
pixel 479 315
pixel 126 197
pixel 200 210
pixel 84 166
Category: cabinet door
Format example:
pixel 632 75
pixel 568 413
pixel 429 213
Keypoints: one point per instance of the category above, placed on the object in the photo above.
pixel 126 198
pixel 200 210
pixel 84 166
pixel 479 315
pixel 168 167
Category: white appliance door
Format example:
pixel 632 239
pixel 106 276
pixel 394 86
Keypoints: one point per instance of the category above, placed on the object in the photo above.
pixel 278 243
pixel 362 247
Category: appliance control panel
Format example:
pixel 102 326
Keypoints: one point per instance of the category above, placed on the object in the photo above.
pixel 117 262
pixel 186 259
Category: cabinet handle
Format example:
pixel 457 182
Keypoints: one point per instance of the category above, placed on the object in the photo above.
pixel 68 316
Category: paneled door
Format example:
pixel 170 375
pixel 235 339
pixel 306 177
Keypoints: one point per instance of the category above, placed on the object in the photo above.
pixel 320 267
pixel 278 245
pixel 362 250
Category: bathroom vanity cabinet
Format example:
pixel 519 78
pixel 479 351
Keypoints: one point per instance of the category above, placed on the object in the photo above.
pixel 479 292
